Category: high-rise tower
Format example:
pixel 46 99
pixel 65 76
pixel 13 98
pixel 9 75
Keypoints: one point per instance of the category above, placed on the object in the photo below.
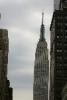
pixel 5 89
pixel 58 51
pixel 41 68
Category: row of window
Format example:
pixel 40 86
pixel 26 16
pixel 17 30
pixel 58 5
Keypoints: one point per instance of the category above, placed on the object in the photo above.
pixel 41 81
pixel 61 50
pixel 61 58
pixel 40 97
pixel 61 36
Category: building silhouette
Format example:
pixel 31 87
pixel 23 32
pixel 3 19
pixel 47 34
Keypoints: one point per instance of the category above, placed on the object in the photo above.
pixel 41 68
pixel 58 51
pixel 5 89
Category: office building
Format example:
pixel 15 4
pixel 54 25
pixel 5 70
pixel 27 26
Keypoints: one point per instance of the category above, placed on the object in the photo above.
pixel 5 89
pixel 41 68
pixel 58 51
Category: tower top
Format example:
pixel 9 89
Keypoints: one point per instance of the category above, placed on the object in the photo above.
pixel 42 29
pixel 42 17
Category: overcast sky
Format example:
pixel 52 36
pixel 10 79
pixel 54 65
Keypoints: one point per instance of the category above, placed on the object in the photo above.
pixel 22 18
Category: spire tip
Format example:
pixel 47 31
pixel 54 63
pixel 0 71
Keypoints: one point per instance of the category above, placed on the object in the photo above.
pixel 42 17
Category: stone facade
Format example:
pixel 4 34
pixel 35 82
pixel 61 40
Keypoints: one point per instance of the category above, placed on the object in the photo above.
pixel 5 89
pixel 41 69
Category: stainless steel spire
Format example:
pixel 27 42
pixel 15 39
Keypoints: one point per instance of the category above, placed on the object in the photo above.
pixel 42 30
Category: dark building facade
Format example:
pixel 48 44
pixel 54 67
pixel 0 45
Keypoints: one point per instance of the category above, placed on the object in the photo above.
pixel 5 89
pixel 58 51
pixel 64 93
pixel 41 68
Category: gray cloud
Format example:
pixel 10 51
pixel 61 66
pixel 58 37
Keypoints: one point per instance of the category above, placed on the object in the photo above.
pixel 22 81
pixel 22 13
pixel 22 18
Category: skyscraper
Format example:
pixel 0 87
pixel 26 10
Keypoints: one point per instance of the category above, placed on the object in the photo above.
pixel 5 89
pixel 64 93
pixel 58 51
pixel 41 68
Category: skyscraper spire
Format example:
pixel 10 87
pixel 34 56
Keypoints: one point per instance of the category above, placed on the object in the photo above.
pixel 41 68
pixel 42 17
pixel 42 30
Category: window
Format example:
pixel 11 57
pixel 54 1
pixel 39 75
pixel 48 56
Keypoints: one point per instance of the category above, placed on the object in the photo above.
pixel 65 37
pixel 59 57
pixel 59 51
pixel 57 37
